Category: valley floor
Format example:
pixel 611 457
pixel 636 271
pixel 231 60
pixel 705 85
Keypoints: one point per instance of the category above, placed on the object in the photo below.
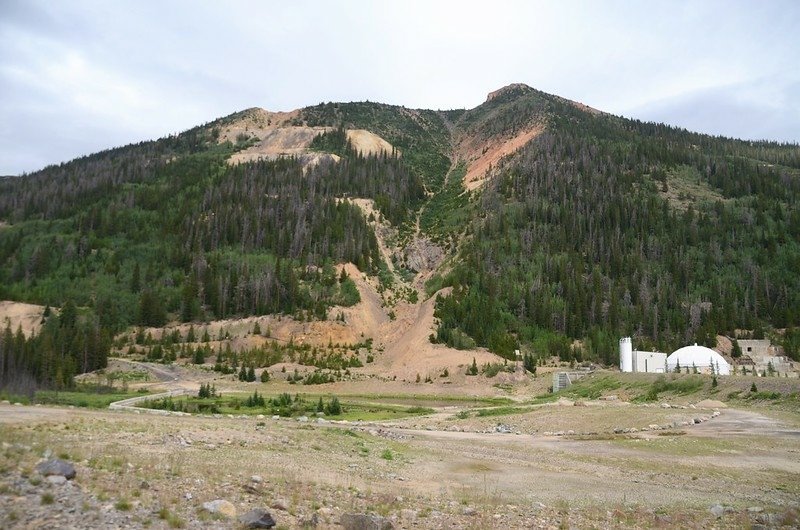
pixel 450 469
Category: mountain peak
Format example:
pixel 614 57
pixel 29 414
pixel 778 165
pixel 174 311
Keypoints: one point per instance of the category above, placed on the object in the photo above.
pixel 520 88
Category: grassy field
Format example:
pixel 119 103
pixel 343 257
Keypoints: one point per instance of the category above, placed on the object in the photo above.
pixel 82 397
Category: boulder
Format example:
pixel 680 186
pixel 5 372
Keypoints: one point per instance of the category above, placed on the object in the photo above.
pixel 57 480
pixel 55 466
pixel 362 521
pixel 220 507
pixel 257 518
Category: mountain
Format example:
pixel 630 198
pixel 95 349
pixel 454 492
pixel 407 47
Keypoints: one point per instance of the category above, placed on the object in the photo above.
pixel 544 225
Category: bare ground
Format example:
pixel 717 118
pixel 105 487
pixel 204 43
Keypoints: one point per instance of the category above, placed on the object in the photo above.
pixel 20 315
pixel 430 479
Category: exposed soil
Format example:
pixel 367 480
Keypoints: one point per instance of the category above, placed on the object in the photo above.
pixel 482 156
pixel 17 314
pixel 277 134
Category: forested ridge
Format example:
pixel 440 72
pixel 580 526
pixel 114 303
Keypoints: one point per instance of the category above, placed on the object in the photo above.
pixel 586 234
pixel 599 227
pixel 167 229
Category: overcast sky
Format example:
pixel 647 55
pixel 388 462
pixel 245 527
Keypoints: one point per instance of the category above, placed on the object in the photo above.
pixel 80 76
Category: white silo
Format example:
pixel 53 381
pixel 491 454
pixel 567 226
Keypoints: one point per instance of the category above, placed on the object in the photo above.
pixel 625 355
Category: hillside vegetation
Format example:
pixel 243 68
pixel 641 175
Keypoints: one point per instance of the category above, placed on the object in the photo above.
pixel 597 226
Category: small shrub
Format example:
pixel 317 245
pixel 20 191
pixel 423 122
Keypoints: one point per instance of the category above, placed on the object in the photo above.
pixel 172 519
pixel 47 498
pixel 387 454
pixel 123 505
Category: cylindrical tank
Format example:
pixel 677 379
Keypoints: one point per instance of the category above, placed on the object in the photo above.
pixel 625 355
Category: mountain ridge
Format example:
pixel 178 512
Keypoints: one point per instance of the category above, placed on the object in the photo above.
pixel 550 226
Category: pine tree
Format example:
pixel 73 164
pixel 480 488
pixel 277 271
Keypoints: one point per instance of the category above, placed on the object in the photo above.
pixel 199 356
pixel 473 369
pixel 334 408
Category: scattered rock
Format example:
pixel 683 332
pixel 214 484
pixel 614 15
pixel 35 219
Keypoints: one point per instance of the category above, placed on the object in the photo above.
pixel 220 507
pixel 281 504
pixel 57 480
pixel 362 521
pixel 188 496
pixel 717 510
pixel 258 479
pixel 311 522
pixel 422 254
pixel 755 509
pixel 257 518
pixel 469 510
pixel 56 466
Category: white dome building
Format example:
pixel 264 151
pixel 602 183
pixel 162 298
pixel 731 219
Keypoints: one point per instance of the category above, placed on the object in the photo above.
pixel 704 359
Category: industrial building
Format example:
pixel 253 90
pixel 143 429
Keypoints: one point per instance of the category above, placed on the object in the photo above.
pixel 764 357
pixel 631 360
pixel 698 358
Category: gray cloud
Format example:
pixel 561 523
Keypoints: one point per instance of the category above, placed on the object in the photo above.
pixel 86 75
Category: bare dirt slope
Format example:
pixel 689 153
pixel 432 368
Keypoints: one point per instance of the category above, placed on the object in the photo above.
pixel 17 314
pixel 483 155
pixel 279 134
pixel 368 143
pixel 409 351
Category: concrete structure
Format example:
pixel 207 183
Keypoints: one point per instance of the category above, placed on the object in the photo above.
pixel 765 355
pixel 625 355
pixel 704 360
pixel 631 360
pixel 651 362
pixel 562 380
pixel 756 349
